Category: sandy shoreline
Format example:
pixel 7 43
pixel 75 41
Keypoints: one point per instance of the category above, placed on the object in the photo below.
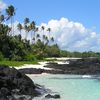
pixel 37 75
pixel 37 66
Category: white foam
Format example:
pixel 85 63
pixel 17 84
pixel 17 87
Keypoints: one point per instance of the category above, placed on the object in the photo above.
pixel 86 76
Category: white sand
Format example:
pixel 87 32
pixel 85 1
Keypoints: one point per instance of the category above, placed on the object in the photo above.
pixel 62 60
pixel 37 66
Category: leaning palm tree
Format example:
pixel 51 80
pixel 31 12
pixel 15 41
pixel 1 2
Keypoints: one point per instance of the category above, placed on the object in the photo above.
pixel 19 27
pixel 11 12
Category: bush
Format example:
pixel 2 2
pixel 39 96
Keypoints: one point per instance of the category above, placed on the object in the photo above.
pixel 30 57
pixel 1 56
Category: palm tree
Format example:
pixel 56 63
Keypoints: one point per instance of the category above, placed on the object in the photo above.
pixel 26 21
pixel 46 39
pixel 26 26
pixel 11 12
pixel 49 30
pixel 1 18
pixel 52 39
pixel 27 29
pixel 36 35
pixel 19 27
pixel 32 28
pixel 43 33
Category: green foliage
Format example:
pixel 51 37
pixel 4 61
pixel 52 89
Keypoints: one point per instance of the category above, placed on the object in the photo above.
pixel 53 51
pixel 30 57
pixel 13 47
pixel 64 53
pixel 17 63
pixel 1 56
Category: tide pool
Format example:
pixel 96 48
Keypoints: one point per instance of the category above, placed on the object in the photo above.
pixel 70 87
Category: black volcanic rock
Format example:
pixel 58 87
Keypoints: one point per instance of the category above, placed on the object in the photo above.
pixel 31 71
pixel 55 96
pixel 79 66
pixel 15 85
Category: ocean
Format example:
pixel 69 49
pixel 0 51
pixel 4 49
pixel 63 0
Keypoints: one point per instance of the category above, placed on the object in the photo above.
pixel 70 87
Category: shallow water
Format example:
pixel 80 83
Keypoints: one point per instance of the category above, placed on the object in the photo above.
pixel 70 87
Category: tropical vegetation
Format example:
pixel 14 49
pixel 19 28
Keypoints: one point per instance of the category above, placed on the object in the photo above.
pixel 32 44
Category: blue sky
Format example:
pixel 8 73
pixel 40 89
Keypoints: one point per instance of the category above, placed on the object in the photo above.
pixel 86 12
pixel 75 24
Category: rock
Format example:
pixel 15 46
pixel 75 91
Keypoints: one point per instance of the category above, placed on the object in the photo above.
pixel 12 83
pixel 55 96
pixel 82 66
pixel 31 71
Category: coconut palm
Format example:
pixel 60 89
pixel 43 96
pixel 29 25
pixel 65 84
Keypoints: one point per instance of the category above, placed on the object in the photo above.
pixel 26 26
pixel 11 12
pixel 49 30
pixel 27 29
pixel 43 28
pixel 52 39
pixel 26 21
pixel 19 27
pixel 46 39
pixel 32 29
pixel 36 35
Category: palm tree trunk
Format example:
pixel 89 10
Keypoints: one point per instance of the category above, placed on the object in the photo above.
pixel 11 26
pixel 31 37
pixel 35 38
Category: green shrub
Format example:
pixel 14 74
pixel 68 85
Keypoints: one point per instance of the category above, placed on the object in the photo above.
pixel 30 57
pixel 1 56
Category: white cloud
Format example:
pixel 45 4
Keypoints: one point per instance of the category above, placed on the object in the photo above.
pixel 70 35
pixel 2 5
pixel 73 35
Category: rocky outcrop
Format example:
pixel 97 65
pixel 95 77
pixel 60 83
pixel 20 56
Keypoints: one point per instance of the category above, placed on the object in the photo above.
pixel 31 71
pixel 15 85
pixel 76 66
pixel 80 66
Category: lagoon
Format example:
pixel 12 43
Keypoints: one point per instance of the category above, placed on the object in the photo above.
pixel 70 87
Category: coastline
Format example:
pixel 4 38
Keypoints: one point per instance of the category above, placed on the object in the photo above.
pixel 82 66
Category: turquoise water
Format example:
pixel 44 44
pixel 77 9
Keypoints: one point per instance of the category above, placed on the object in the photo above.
pixel 70 87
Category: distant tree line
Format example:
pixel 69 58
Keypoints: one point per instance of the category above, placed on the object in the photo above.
pixel 64 53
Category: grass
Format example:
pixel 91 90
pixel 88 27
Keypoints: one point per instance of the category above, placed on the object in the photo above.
pixel 17 63
pixel 20 63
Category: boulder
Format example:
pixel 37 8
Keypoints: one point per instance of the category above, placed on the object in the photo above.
pixel 55 96
pixel 15 85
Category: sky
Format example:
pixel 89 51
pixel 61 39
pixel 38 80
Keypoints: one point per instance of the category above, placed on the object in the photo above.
pixel 74 23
